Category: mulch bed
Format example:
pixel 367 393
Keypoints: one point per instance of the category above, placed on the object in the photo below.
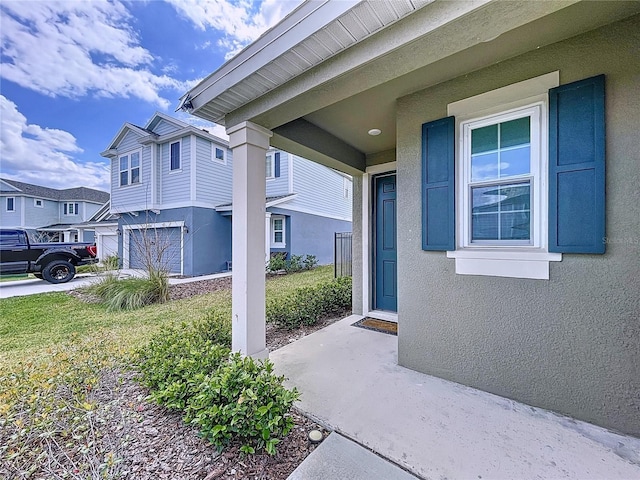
pixel 151 442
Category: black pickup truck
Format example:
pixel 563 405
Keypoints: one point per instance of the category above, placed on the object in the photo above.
pixel 53 262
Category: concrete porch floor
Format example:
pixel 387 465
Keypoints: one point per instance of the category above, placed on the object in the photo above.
pixel 350 381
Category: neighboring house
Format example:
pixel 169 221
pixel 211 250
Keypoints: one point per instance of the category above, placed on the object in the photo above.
pixel 484 223
pixel 171 192
pixel 47 213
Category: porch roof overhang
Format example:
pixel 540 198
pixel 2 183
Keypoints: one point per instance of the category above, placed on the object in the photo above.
pixel 322 105
pixel 227 208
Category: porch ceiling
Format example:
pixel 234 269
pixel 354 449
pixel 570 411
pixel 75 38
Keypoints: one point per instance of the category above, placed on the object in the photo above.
pixel 341 98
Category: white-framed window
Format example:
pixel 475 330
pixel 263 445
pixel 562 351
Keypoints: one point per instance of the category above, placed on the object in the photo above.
pixel 174 156
pixel 10 204
pixel 501 164
pixel 38 202
pixel 278 231
pixel 70 208
pixel 129 165
pixel 218 154
pixel 501 181
pixel 270 167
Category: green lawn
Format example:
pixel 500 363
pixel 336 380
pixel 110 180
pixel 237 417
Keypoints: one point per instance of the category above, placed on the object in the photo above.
pixel 31 324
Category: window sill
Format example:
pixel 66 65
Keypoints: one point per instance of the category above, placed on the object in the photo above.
pixel 510 263
pixel 278 245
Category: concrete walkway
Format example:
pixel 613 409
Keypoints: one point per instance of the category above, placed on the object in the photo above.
pixel 350 381
pixel 34 286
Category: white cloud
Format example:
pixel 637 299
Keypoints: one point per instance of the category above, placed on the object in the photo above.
pixel 44 156
pixel 240 21
pixel 75 48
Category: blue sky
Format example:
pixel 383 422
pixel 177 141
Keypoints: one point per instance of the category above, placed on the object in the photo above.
pixel 72 72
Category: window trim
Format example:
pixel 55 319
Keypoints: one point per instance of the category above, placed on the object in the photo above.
pixel 223 160
pixel 270 161
pixel 275 244
pixel 513 261
pixel 35 203
pixel 537 176
pixel 68 212
pixel 179 167
pixel 129 168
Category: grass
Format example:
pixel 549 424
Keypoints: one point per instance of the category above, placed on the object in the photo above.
pixel 30 325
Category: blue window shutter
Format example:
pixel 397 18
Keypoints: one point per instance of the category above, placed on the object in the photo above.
pixel 576 167
pixel 438 185
pixel 276 167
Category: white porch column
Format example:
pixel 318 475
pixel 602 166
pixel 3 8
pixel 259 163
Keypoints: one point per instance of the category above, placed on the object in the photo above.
pixel 66 236
pixel 249 143
pixel 267 237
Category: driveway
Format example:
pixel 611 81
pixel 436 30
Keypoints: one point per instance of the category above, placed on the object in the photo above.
pixel 31 287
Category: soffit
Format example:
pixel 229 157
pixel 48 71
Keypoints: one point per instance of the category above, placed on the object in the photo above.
pixel 353 26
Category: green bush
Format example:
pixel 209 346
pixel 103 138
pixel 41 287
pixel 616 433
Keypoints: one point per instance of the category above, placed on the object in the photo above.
pixel 130 293
pixel 294 264
pixel 309 262
pixel 307 305
pixel 243 400
pixel 190 368
pixel 277 262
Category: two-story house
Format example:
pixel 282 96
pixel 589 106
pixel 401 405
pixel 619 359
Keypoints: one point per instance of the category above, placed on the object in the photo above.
pixel 49 214
pixel 171 189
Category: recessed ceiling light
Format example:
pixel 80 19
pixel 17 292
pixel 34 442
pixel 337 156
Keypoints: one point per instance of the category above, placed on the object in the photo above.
pixel 374 131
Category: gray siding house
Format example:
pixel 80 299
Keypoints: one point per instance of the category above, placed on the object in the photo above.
pixel 171 194
pixel 49 214
pixel 478 134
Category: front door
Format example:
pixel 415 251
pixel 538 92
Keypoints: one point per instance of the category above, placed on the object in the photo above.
pixel 385 254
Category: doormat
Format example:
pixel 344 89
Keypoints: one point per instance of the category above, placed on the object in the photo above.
pixel 376 325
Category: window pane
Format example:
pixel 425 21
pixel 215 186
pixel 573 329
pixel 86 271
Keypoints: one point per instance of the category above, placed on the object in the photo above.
pixel 515 161
pixel 10 204
pixel 515 226
pixel 515 132
pixel 175 156
pixel 124 162
pixel 219 154
pixel 268 167
pixel 484 139
pixel 277 224
pixel 484 167
pixel 135 175
pixel 135 159
pixel 124 177
pixel 501 212
pixel 75 208
pixel 65 208
pixel 277 237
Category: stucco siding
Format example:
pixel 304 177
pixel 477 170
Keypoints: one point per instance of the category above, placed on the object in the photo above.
pixel 213 179
pixel 206 240
pixel 308 234
pixel 569 343
pixel 176 184
pixel 320 190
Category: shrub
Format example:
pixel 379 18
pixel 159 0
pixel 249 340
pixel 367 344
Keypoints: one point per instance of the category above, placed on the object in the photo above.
pixel 243 400
pixel 294 264
pixel 309 262
pixel 190 368
pixel 130 293
pixel 307 305
pixel 277 262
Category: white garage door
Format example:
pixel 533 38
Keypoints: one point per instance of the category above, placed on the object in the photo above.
pixel 107 246
pixel 159 246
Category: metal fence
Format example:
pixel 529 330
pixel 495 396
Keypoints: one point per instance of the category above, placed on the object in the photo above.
pixel 342 254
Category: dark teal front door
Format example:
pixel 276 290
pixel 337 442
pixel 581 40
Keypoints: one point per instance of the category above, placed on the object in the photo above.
pixel 385 254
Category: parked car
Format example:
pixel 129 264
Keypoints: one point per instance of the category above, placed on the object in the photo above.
pixel 53 262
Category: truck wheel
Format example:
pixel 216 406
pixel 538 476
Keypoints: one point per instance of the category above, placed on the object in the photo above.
pixel 58 271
